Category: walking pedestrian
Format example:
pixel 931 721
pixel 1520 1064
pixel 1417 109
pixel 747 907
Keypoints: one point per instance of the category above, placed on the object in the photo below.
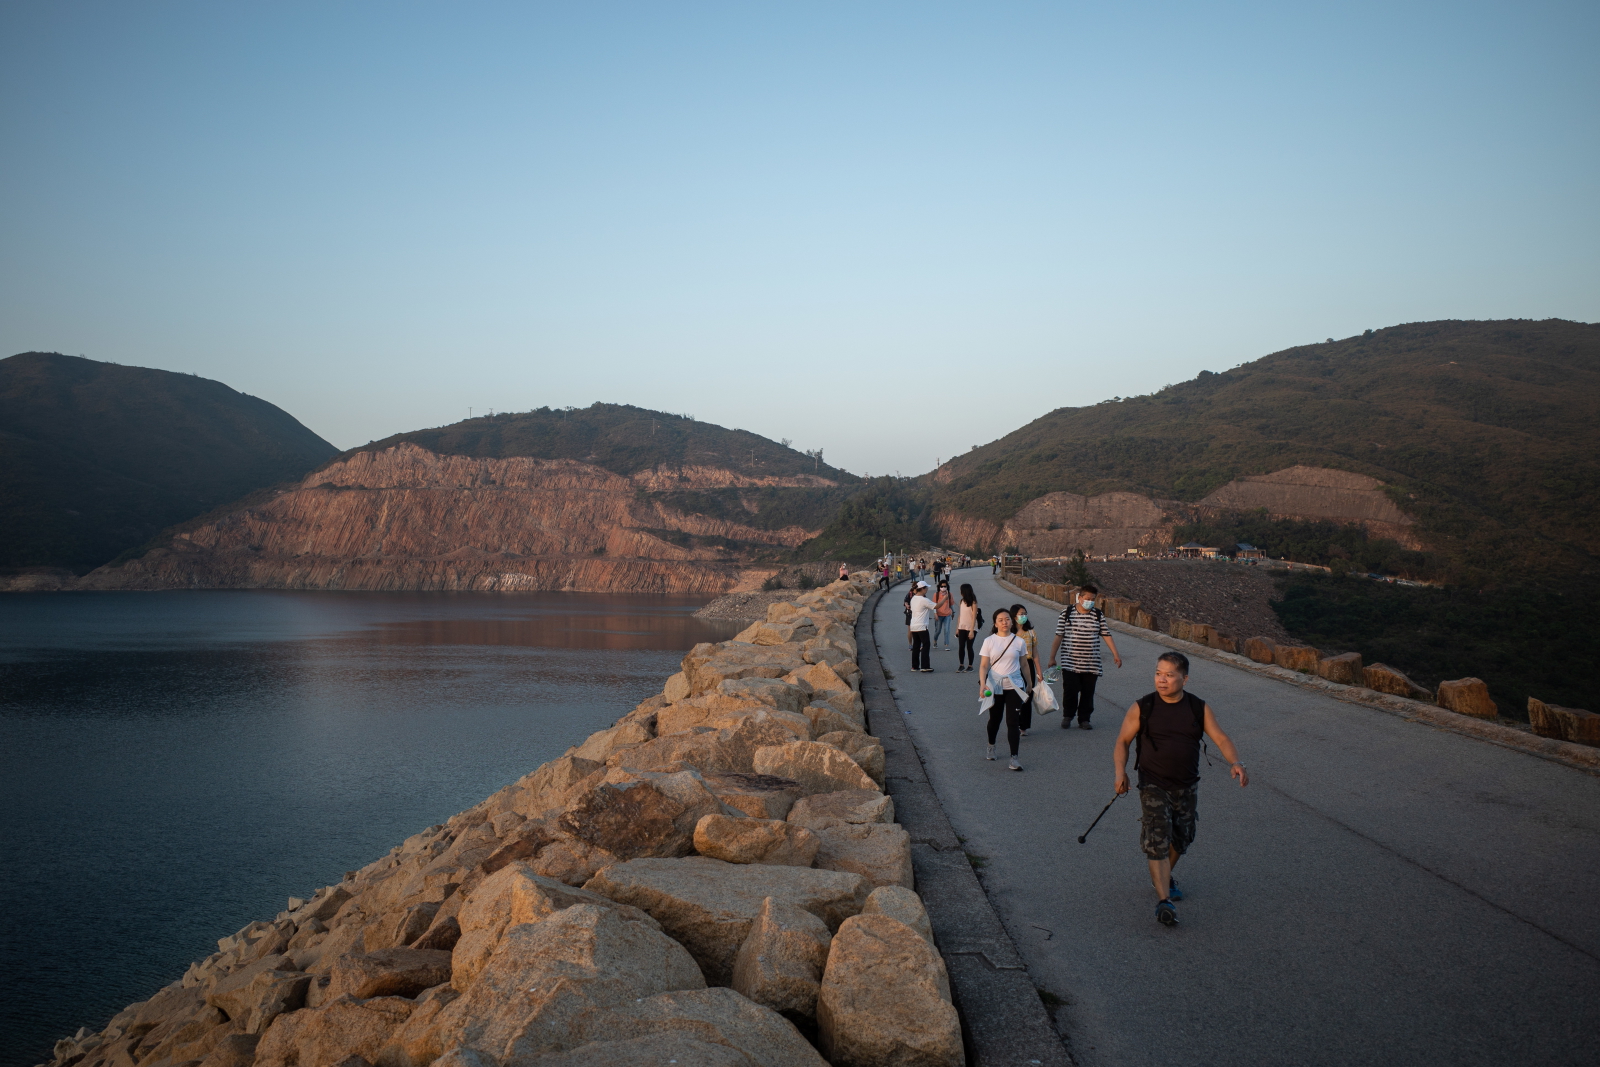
pixel 922 612
pixel 938 566
pixel 968 620
pixel 1079 631
pixel 945 608
pixel 1166 727
pixel 1028 634
pixel 883 575
pixel 1000 670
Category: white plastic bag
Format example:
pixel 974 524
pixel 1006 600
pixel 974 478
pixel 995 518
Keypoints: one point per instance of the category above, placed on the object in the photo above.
pixel 1044 698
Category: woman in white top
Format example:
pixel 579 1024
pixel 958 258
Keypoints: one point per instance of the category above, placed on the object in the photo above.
pixel 1000 672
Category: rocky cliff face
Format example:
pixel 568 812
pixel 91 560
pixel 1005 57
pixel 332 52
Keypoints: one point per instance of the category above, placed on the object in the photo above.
pixel 1317 493
pixel 1058 524
pixel 408 518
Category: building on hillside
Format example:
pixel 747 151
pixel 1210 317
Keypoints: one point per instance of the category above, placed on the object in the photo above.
pixel 1195 550
pixel 1249 552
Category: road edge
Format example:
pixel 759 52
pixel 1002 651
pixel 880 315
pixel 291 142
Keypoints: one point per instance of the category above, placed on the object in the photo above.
pixel 1578 757
pixel 1003 1020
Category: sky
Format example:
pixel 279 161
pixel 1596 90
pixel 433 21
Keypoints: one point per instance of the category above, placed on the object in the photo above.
pixel 892 231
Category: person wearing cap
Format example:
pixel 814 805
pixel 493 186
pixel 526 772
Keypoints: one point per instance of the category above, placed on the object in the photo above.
pixel 923 611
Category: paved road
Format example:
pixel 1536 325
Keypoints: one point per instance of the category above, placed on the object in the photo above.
pixel 1383 892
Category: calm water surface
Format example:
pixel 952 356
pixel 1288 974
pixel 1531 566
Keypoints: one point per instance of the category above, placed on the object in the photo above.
pixel 174 765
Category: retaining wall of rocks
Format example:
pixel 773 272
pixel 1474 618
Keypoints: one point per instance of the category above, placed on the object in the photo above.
pixel 1465 696
pixel 1567 735
pixel 717 879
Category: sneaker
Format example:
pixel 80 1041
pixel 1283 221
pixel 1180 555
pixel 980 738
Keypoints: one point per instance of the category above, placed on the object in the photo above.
pixel 1166 914
pixel 1173 892
pixel 1015 766
pixel 990 756
pixel 1085 726
pixel 1024 733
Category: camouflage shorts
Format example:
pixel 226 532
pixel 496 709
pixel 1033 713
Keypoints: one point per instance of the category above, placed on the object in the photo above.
pixel 1167 822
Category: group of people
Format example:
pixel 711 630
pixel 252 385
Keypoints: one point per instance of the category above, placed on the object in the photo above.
pixel 891 569
pixel 1165 727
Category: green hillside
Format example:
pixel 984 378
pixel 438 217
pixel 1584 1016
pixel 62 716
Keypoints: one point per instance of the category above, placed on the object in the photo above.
pixel 627 439
pixel 97 458
pixel 1486 430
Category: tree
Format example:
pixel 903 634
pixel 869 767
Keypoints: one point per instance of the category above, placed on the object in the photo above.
pixel 1077 571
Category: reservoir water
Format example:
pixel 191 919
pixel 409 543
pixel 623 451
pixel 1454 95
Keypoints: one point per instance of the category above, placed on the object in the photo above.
pixel 175 765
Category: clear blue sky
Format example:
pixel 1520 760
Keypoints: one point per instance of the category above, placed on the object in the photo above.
pixel 889 230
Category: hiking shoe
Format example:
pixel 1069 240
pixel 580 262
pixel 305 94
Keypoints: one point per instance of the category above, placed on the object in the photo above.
pixel 1085 726
pixel 1166 914
pixel 1015 766
pixel 990 756
pixel 1173 892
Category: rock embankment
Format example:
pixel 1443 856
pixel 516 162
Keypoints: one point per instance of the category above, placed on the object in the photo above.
pixel 1235 599
pixel 1464 696
pixel 716 879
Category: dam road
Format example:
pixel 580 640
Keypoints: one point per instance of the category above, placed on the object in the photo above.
pixel 1382 892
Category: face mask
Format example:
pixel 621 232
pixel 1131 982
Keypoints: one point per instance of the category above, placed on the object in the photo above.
pixel 1022 618
pixel 1088 605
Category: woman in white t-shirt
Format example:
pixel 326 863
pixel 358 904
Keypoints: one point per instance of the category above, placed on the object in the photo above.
pixel 1000 673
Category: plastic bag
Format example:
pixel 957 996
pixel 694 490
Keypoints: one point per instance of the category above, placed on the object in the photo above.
pixel 1044 698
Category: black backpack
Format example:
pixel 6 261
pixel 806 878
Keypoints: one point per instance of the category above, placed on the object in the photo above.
pixel 1146 705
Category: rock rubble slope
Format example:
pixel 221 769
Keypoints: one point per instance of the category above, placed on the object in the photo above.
pixel 715 879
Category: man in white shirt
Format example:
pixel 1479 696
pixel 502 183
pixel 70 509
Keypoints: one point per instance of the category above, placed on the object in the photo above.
pixel 923 611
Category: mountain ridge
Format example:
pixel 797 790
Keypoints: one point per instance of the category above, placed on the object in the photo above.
pixel 96 458
pixel 1480 431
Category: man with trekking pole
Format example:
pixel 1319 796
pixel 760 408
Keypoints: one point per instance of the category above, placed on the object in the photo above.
pixel 1168 727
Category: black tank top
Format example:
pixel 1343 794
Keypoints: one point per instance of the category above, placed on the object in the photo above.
pixel 1169 740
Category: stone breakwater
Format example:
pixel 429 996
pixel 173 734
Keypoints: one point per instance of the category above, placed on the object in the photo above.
pixel 717 879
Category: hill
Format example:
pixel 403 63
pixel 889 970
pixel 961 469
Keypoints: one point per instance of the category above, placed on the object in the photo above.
pixel 1480 434
pixel 599 499
pixel 629 440
pixel 97 458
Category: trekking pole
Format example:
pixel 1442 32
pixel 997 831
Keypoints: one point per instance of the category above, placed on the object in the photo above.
pixel 1085 835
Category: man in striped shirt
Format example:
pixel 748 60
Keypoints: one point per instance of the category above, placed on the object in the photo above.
pixel 1079 631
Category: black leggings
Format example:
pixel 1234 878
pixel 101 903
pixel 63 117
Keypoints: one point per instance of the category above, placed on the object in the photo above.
pixel 964 641
pixel 1008 702
pixel 1027 703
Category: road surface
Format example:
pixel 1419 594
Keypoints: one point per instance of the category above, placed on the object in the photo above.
pixel 1382 892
